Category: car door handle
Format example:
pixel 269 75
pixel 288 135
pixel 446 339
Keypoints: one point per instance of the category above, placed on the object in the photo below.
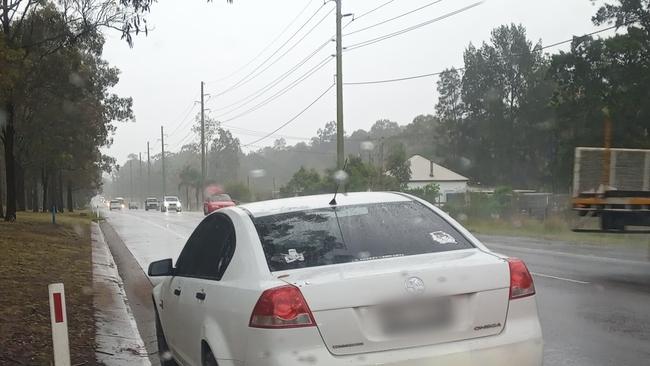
pixel 200 295
pixel 177 292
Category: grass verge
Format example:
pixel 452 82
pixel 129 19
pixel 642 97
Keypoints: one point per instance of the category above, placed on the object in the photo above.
pixel 36 253
pixel 553 228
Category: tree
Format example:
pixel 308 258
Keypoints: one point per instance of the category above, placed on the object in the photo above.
pixel 451 112
pixel 384 128
pixel 598 74
pixel 325 135
pixel 33 30
pixel 303 182
pixel 188 178
pixel 398 165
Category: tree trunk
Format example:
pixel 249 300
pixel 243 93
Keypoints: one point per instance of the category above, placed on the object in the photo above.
pixel 70 201
pixel 59 191
pixel 10 169
pixel 20 186
pixel 34 195
pixel 45 186
pixel 2 210
pixel 187 197
pixel 197 197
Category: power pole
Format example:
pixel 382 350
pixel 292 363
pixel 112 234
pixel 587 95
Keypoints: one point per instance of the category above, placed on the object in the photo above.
pixel 131 178
pixel 339 89
pixel 202 143
pixel 140 190
pixel 148 170
pixel 162 142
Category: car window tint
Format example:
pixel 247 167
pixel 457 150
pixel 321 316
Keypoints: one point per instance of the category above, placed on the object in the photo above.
pixel 354 233
pixel 209 250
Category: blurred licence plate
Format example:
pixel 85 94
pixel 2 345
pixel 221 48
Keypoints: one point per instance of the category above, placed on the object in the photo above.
pixel 421 314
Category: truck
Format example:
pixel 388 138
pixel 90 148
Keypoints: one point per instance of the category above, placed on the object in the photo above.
pixel 613 185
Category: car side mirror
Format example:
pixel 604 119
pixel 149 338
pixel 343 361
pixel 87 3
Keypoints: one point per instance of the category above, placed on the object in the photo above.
pixel 163 267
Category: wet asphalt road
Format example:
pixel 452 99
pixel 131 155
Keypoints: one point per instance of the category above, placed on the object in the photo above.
pixel 594 301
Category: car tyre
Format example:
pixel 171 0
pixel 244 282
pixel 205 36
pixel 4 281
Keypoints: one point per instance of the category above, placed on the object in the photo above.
pixel 164 354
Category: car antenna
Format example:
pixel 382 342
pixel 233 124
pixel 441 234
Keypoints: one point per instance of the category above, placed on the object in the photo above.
pixel 338 184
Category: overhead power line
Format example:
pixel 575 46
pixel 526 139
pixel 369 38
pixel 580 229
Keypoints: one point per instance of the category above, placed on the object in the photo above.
pixel 412 28
pixel 183 121
pixel 393 18
pixel 372 10
pixel 283 91
pixel 254 73
pixel 242 102
pixel 292 118
pixel 267 46
pixel 536 49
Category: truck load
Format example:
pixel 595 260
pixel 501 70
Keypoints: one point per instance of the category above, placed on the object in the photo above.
pixel 613 185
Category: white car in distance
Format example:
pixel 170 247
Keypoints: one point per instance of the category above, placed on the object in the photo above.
pixel 376 278
pixel 171 203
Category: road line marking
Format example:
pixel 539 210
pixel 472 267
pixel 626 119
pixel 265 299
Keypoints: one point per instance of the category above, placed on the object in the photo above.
pixel 559 278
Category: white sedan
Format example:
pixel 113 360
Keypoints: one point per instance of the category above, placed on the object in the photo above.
pixel 373 279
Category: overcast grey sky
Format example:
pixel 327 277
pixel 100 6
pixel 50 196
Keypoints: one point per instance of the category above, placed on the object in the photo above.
pixel 201 41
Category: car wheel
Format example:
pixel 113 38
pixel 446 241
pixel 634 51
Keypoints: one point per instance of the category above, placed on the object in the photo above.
pixel 164 353
pixel 208 358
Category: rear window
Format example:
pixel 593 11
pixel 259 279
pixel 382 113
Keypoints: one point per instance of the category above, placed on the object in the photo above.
pixel 354 233
pixel 220 197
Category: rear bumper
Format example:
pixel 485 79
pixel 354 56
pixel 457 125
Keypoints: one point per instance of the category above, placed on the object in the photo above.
pixel 520 343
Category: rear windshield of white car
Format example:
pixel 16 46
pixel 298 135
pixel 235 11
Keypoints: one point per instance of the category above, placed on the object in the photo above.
pixel 354 233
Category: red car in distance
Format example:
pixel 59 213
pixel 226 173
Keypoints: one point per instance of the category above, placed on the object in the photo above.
pixel 217 201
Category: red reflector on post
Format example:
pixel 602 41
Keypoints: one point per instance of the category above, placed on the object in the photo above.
pixel 58 308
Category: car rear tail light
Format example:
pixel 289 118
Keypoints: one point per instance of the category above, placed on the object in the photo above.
pixel 281 307
pixel 521 282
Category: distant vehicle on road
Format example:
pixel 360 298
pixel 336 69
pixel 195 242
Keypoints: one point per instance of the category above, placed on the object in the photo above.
pixel 373 278
pixel 171 203
pixel 216 202
pixel 116 205
pixel 151 203
pixel 133 205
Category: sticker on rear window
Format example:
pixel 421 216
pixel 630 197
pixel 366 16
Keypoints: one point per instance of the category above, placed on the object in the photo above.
pixel 293 256
pixel 442 237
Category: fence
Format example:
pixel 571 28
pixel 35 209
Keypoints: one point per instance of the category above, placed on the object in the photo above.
pixel 535 205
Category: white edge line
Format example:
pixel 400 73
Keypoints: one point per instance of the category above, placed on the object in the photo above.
pixel 559 278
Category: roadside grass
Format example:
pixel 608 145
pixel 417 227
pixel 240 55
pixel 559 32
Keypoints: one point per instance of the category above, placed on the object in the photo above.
pixel 553 228
pixel 34 254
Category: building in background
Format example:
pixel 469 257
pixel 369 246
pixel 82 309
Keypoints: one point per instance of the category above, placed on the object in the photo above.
pixel 425 171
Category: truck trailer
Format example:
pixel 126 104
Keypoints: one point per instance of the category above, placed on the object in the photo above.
pixel 613 185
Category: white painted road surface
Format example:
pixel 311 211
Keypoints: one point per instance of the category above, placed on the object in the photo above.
pixel 594 301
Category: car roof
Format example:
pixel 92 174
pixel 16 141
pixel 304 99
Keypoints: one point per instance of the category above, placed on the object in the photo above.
pixel 283 205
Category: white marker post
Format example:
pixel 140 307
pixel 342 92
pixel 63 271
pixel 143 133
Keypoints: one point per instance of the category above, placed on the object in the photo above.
pixel 59 319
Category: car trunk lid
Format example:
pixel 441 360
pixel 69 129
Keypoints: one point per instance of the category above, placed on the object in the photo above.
pixel 401 302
